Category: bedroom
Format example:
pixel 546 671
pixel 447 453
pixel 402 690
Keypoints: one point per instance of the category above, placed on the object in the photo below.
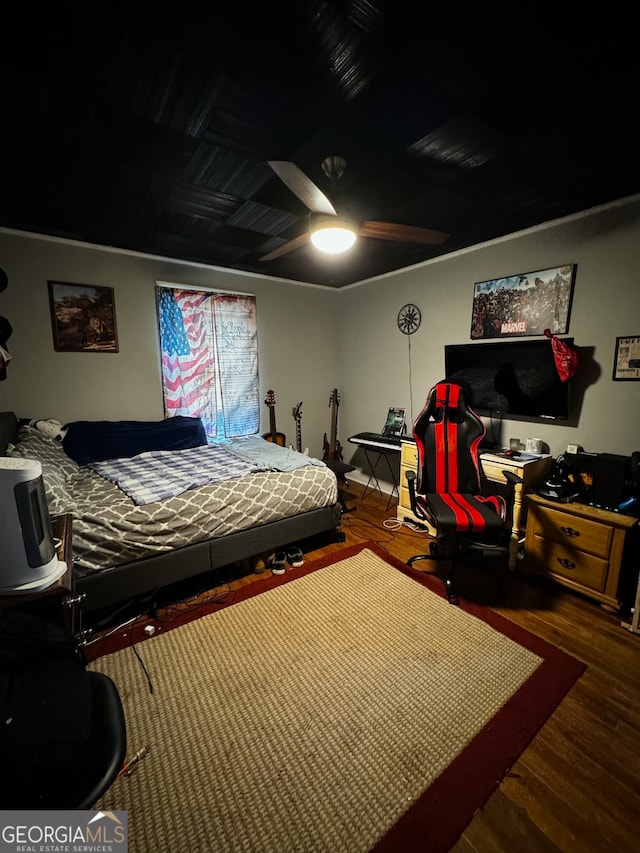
pixel 350 339
pixel 317 337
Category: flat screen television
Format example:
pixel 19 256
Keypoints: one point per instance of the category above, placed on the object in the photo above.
pixel 510 378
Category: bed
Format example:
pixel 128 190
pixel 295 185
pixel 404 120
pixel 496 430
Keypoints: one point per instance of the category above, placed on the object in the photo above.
pixel 124 549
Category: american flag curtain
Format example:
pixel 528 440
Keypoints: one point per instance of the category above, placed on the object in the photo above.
pixel 210 359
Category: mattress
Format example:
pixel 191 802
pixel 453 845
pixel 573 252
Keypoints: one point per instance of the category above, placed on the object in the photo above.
pixel 109 529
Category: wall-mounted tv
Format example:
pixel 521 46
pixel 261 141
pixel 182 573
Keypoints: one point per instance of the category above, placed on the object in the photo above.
pixel 511 378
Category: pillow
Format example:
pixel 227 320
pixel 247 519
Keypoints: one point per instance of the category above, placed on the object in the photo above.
pixel 57 468
pixel 95 441
pixel 33 444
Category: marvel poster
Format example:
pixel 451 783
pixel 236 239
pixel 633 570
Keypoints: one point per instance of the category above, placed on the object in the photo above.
pixel 524 304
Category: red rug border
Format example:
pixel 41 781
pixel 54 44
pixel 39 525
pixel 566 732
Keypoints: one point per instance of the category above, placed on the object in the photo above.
pixel 441 814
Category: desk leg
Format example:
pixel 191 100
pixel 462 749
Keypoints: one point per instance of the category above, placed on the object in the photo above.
pixel 515 530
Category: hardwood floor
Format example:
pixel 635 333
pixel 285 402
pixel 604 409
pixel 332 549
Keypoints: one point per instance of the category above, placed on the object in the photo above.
pixel 577 786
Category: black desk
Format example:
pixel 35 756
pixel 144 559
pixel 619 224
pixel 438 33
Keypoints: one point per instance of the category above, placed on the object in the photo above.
pixel 373 443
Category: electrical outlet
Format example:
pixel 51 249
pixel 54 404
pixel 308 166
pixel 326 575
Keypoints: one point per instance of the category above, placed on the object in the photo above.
pixel 572 448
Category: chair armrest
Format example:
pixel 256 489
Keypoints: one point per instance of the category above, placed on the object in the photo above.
pixel 512 478
pixel 415 508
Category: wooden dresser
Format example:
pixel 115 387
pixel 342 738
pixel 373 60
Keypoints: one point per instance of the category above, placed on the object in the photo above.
pixel 579 546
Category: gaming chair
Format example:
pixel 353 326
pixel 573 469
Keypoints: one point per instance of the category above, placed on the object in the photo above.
pixel 446 492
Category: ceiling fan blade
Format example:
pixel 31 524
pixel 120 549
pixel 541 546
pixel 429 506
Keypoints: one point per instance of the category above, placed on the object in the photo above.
pixel 302 187
pixel 402 233
pixel 296 243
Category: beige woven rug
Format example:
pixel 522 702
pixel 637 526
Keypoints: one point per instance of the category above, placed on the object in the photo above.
pixel 310 717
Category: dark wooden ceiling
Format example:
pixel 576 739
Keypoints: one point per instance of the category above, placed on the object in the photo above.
pixel 153 133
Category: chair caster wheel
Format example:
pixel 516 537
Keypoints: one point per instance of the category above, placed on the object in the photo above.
pixel 452 595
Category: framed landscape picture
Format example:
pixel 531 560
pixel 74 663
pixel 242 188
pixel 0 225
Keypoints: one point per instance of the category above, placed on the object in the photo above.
pixel 523 304
pixel 83 317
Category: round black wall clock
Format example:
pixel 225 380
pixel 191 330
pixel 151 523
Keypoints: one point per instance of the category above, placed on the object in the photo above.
pixel 409 319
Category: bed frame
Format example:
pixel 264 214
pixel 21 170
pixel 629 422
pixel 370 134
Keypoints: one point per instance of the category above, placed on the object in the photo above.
pixel 97 590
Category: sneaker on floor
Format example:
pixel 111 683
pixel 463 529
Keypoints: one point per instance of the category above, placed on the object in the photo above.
pixel 279 563
pixel 295 557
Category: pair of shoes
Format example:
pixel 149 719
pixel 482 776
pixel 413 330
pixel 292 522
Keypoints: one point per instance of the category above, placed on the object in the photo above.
pixel 279 563
pixel 295 556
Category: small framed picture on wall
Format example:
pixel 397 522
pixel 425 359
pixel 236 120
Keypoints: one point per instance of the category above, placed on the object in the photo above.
pixel 626 362
pixel 83 317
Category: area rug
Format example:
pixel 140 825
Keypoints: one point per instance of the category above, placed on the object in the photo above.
pixel 345 706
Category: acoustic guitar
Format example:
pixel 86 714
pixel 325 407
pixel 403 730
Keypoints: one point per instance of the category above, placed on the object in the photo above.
pixel 297 416
pixel 332 449
pixel 273 435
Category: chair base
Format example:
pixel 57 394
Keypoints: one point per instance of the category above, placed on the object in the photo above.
pixel 452 553
pixel 449 581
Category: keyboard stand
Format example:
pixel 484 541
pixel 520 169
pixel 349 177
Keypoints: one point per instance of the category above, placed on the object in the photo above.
pixel 380 452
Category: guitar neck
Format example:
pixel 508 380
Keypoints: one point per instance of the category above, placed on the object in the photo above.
pixel 273 434
pixel 334 429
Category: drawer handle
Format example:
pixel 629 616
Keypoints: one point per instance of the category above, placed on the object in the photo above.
pixel 566 564
pixel 569 531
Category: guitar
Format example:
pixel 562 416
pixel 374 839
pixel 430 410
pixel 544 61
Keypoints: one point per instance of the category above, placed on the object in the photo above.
pixel 297 416
pixel 273 435
pixel 332 449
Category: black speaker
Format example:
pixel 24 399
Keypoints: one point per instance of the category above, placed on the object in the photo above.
pixel 610 480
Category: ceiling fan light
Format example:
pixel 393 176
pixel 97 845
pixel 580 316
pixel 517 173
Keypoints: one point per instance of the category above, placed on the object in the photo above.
pixel 332 234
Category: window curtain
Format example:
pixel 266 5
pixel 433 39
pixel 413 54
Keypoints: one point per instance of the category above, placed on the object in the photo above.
pixel 209 348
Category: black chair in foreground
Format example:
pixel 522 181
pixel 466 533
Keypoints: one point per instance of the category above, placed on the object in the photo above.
pixel 446 491
pixel 63 738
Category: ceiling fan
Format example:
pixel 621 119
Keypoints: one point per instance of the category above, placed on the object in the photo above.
pixel 325 219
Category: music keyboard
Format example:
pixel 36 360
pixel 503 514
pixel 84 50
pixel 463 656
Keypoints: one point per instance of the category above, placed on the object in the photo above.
pixel 376 440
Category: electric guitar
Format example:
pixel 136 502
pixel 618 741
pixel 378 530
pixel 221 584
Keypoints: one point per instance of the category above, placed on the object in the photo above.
pixel 332 449
pixel 297 416
pixel 273 435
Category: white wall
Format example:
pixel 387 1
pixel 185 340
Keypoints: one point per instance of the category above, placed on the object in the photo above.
pixel 312 339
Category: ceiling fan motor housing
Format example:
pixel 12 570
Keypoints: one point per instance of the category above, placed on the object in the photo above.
pixel 334 167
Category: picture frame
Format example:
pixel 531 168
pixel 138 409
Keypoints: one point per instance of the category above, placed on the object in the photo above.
pixel 524 304
pixel 83 317
pixel 626 361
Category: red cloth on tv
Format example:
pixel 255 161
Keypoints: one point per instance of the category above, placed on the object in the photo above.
pixel 565 357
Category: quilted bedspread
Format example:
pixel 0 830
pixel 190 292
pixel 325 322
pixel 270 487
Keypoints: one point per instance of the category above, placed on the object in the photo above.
pixel 159 474
pixel 109 529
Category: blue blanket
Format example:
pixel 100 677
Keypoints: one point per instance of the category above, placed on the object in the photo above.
pixel 156 475
pixel 94 441
pixel 267 454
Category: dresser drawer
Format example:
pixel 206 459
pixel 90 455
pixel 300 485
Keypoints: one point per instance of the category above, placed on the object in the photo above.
pixel 567 562
pixel 576 533
pixel 405 499
pixel 409 456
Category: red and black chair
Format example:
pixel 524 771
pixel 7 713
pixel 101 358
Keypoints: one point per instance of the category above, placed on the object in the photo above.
pixel 446 491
